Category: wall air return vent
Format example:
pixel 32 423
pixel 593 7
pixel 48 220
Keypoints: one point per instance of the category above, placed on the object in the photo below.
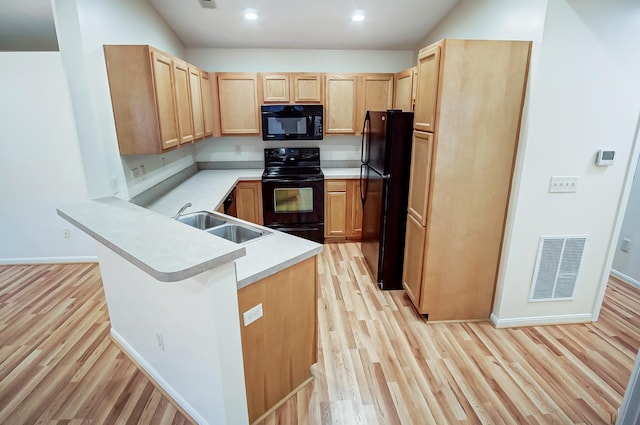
pixel 557 268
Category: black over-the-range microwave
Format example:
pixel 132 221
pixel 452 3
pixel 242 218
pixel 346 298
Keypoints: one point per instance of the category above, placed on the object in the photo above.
pixel 291 122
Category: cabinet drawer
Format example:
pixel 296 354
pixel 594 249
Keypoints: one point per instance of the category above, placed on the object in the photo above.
pixel 336 185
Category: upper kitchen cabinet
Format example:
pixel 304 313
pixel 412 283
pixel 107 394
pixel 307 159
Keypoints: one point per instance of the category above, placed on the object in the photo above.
pixel 275 88
pixel 183 100
pixel 207 90
pixel 428 69
pixel 239 107
pixel 197 104
pixel 405 89
pixel 291 87
pixel 307 87
pixel 340 103
pixel 151 95
pixel 375 93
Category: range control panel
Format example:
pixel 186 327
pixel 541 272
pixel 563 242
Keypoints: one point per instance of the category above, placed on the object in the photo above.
pixel 289 155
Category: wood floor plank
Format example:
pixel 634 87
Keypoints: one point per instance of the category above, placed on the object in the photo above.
pixel 57 362
pixel 379 362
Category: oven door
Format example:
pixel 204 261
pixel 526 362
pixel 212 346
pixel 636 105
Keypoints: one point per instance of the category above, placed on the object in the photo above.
pixel 293 201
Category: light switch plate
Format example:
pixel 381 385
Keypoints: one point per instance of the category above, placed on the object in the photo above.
pixel 252 315
pixel 563 184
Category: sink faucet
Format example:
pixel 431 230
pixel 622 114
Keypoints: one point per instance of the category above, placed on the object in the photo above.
pixel 181 210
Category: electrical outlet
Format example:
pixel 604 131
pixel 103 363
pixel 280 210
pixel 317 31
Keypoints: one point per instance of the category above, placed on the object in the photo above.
pixel 563 184
pixel 136 172
pixel 66 234
pixel 252 315
pixel 114 185
pixel 160 340
pixel 625 245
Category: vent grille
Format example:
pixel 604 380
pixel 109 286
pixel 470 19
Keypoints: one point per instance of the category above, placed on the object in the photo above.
pixel 557 268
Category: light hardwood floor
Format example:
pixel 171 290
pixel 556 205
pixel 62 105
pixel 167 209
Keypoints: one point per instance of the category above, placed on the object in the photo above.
pixel 379 362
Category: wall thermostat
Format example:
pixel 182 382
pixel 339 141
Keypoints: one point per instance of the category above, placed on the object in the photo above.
pixel 605 158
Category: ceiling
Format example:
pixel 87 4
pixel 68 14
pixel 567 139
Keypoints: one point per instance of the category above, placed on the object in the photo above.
pixel 324 24
pixel 27 25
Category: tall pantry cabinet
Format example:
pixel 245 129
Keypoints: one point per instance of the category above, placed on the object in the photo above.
pixel 469 103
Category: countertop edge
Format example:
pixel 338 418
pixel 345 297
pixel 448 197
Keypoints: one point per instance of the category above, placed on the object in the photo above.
pixel 161 276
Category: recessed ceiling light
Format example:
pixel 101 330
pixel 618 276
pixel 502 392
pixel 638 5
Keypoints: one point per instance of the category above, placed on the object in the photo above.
pixel 357 17
pixel 250 15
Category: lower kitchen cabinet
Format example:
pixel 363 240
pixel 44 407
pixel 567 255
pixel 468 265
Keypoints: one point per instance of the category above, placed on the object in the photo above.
pixel 342 210
pixel 281 345
pixel 249 201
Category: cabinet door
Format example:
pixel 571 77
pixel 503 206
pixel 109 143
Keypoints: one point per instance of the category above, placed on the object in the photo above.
pixel 238 96
pixel 403 95
pixel 376 94
pixel 249 201
pixel 427 90
pixel 207 104
pixel 354 228
pixel 307 88
pixel 340 104
pixel 421 157
pixel 165 98
pixel 183 101
pixel 413 260
pixel 195 90
pixel 335 208
pixel 275 88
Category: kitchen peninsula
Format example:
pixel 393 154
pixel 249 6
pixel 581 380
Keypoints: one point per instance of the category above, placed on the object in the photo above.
pixel 173 297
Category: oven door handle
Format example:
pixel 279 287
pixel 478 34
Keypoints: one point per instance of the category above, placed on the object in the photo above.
pixel 305 180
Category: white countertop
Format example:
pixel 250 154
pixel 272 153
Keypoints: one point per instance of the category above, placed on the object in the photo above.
pixel 162 247
pixel 149 238
pixel 341 173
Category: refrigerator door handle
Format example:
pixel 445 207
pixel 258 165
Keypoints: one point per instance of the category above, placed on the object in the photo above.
pixel 363 182
pixel 364 147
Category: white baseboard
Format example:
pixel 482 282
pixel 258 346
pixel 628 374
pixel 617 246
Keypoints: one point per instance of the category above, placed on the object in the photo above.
pixel 541 320
pixel 158 379
pixel 48 260
pixel 626 279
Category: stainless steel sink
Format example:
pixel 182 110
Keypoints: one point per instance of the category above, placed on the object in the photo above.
pixel 237 233
pixel 201 220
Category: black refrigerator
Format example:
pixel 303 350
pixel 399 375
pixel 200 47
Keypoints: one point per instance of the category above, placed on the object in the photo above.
pixel 384 189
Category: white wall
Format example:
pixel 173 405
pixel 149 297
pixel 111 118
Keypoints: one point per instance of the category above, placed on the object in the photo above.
pixel 83 26
pixel 296 60
pixel 292 60
pixel 627 264
pixel 584 95
pixel 41 167
pixel 200 362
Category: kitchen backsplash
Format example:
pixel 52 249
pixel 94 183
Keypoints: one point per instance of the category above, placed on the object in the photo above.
pixel 143 172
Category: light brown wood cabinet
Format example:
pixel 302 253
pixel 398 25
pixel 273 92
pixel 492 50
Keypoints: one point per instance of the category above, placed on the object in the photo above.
pixel 184 107
pixel 207 104
pixel 427 88
pixel 375 93
pixel 280 347
pixel 249 201
pixel 238 100
pixel 307 87
pixel 405 89
pixel 461 173
pixel 156 98
pixel 291 87
pixel 197 103
pixel 340 107
pixel 342 210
